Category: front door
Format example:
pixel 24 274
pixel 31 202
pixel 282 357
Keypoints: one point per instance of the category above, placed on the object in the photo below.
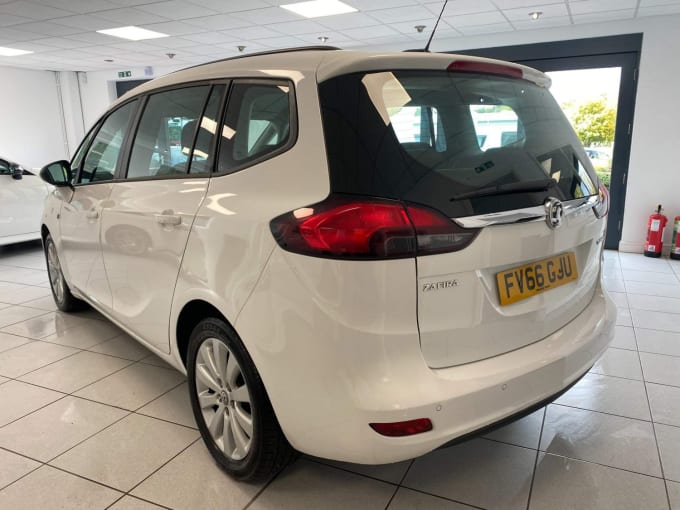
pixel 149 214
pixel 80 220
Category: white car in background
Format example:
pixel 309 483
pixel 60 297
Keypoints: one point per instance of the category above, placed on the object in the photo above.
pixel 22 197
pixel 335 275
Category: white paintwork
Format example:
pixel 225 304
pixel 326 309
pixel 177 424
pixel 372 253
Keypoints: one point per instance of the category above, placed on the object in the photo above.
pixel 337 343
pixel 21 207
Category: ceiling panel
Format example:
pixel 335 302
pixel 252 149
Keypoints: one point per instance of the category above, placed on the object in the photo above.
pixel 62 33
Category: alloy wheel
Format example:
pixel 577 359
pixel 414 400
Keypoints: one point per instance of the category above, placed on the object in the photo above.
pixel 54 271
pixel 224 399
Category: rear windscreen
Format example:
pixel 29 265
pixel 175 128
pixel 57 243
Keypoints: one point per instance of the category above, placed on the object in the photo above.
pixel 442 138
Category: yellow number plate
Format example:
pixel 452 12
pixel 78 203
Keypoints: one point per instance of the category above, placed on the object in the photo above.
pixel 525 281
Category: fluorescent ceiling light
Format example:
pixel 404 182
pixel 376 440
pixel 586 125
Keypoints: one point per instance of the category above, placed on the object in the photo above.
pixel 12 52
pixel 318 8
pixel 132 33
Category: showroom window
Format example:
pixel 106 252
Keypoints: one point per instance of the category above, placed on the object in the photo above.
pixel 496 125
pixel 102 156
pixel 257 124
pixel 165 137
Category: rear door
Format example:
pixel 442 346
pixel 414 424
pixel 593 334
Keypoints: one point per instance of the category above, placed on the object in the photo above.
pixel 150 211
pixel 496 155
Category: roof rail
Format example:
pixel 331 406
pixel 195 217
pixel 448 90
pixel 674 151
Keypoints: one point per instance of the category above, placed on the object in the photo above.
pixel 269 52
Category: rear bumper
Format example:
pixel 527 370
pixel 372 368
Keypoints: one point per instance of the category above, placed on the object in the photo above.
pixel 328 379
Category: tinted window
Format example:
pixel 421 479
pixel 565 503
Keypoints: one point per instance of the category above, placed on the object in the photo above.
pixel 4 168
pixel 257 123
pixel 166 132
pixel 432 136
pixel 102 157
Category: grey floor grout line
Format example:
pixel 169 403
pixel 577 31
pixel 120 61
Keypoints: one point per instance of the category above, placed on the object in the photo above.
pixel 656 440
pixel 538 450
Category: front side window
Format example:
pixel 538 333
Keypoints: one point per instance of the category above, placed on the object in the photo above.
pixel 102 157
pixel 166 133
pixel 257 124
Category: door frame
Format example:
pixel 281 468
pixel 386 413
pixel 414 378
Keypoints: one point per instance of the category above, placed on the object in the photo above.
pixel 614 51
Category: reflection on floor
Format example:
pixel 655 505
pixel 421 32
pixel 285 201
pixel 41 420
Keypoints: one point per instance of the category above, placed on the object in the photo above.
pixel 89 419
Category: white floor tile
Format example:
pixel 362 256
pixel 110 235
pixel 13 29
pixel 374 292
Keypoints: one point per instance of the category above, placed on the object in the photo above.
pixel 623 317
pixel 406 499
pixel 20 398
pixel 674 494
pixel 669 447
pixel 42 326
pixel 130 503
pixel 55 428
pixel 122 346
pixel 631 275
pixel 658 342
pixel 601 438
pixel 50 488
pixel 307 484
pixel 127 452
pixel 637 262
pixel 656 320
pixel 612 395
pixel 174 406
pixel 619 363
pixel 654 303
pixel 482 473
pixel 84 334
pixel 567 484
pixel 13 314
pixel 665 403
pixel 14 467
pixel 8 341
pixel 660 369
pixel 392 473
pixel 132 387
pixel 44 303
pixel 624 338
pixel 654 289
pixel 619 299
pixel 175 483
pixel 31 356
pixel 75 372
pixel 524 432
pixel 613 284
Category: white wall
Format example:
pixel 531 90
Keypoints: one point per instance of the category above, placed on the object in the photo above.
pixel 654 170
pixel 31 127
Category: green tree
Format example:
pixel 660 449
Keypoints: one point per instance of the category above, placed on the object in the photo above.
pixel 594 122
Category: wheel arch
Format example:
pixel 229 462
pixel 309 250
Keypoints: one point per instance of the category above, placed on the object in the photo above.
pixel 191 314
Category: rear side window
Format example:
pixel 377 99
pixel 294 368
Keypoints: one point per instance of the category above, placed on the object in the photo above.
pixel 101 159
pixel 447 140
pixel 257 124
pixel 166 133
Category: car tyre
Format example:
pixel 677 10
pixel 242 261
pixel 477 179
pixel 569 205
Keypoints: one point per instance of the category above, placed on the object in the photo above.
pixel 231 406
pixel 63 298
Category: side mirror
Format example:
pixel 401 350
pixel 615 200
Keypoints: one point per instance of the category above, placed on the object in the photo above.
pixel 57 173
pixel 17 172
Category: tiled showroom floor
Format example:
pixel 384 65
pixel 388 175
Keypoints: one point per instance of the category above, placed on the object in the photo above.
pixel 89 419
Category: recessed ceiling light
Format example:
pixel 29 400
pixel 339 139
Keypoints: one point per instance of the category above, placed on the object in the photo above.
pixel 535 15
pixel 12 52
pixel 318 8
pixel 132 33
pixel 323 38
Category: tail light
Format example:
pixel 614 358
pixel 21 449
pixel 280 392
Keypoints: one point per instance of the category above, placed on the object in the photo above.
pixel 349 227
pixel 601 209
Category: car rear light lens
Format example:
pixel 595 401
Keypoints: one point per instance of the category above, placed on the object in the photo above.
pixel 601 209
pixel 466 66
pixel 402 428
pixel 349 227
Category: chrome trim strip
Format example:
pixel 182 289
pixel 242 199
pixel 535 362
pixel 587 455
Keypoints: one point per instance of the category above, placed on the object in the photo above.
pixel 525 215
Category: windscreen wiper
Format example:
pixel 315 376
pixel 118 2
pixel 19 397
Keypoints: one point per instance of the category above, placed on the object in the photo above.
pixel 504 189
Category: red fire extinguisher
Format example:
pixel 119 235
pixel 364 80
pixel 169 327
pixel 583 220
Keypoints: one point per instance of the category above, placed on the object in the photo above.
pixel 675 241
pixel 656 226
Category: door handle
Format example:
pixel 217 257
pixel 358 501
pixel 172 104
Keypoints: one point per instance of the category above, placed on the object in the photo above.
pixel 92 214
pixel 167 218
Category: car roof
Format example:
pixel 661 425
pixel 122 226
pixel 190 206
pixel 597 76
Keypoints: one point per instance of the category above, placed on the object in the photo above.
pixel 325 62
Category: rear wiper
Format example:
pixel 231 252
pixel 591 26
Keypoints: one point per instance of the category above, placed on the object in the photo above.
pixel 504 189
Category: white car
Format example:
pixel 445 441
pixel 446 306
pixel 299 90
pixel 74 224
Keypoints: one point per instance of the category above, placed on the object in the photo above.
pixel 330 281
pixel 22 197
